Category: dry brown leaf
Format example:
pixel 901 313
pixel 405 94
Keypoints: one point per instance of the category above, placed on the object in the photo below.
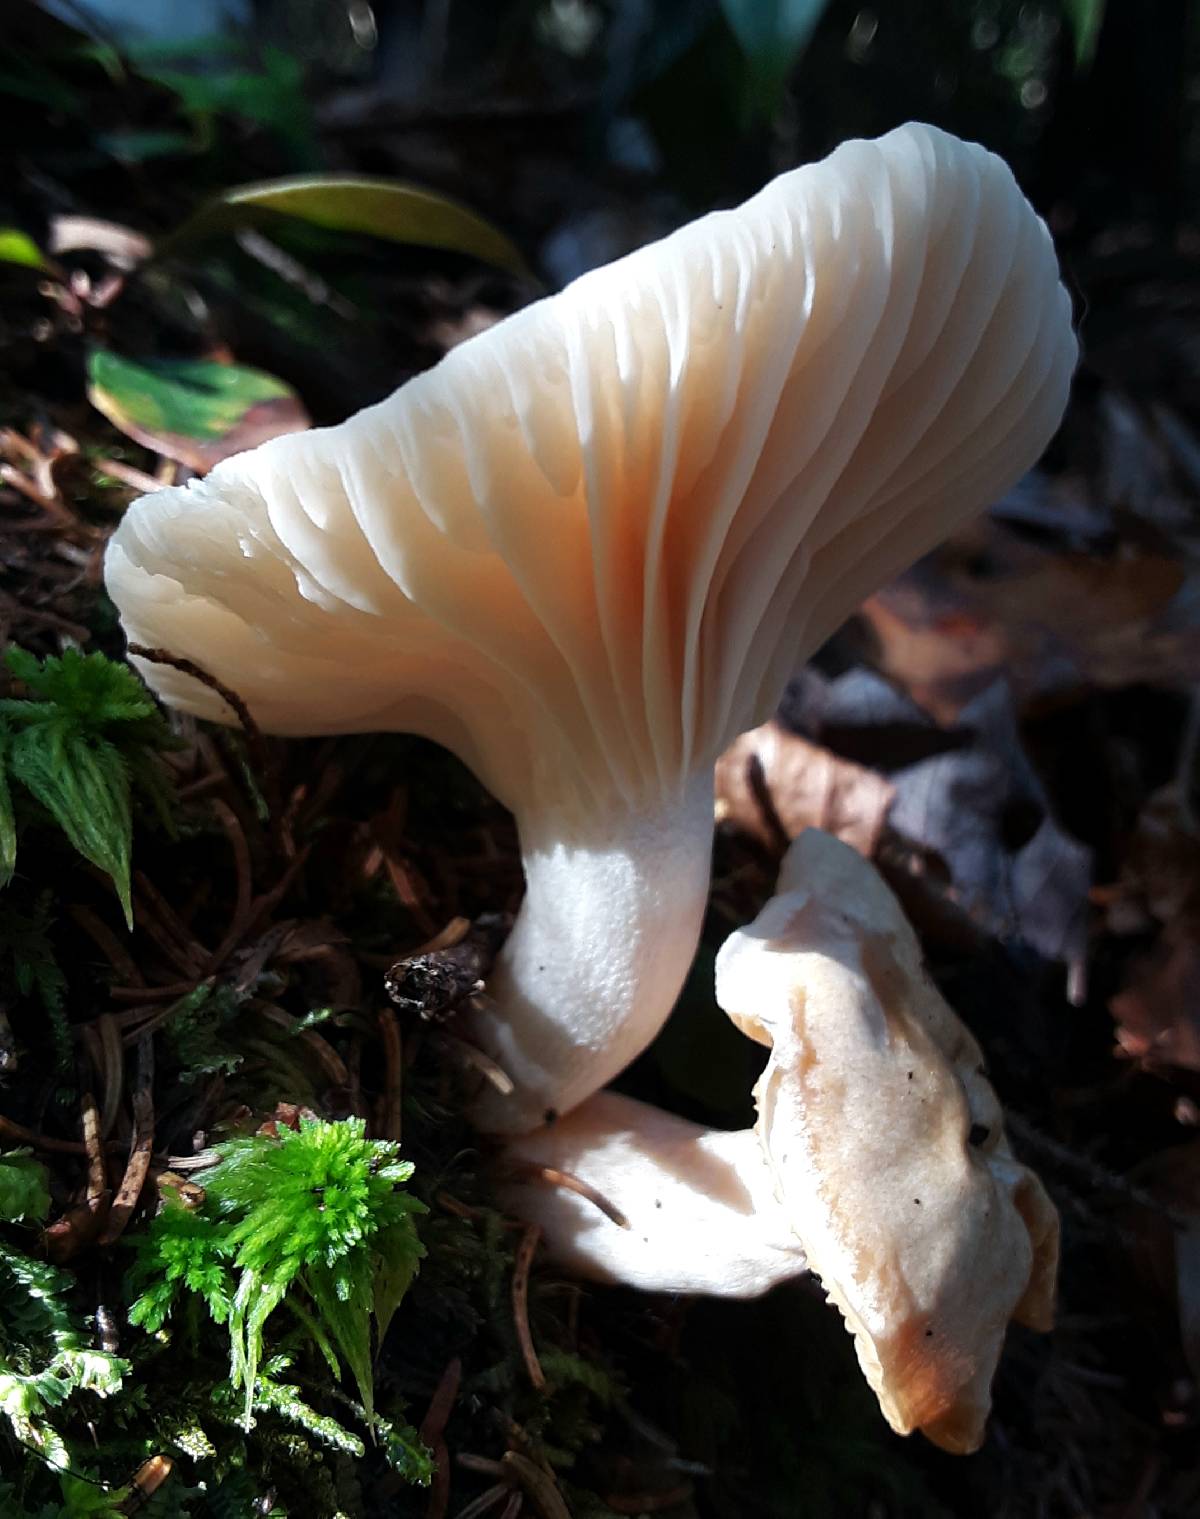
pixel 773 784
pixel 989 603
pixel 1158 1011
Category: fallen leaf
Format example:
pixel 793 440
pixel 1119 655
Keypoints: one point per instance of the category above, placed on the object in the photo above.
pixel 1158 1010
pixel 993 602
pixel 772 784
pixel 192 410
pixel 967 794
pixel 383 208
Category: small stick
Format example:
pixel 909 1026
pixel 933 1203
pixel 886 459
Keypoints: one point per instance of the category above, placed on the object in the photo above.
pixel 539 1486
pixel 438 977
pixel 472 1055
pixel 432 1432
pixel 112 1069
pixel 241 857
pixel 97 1171
pixel 331 1062
pixel 140 1147
pixel 484 1465
pixel 488 1499
pixel 389 1034
pixel 127 474
pixel 528 1170
pixel 10 1129
pixel 114 951
pixel 255 742
pixel 520 1303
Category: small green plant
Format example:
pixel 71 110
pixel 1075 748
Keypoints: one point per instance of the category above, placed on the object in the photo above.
pixel 313 1219
pixel 46 1355
pixel 86 736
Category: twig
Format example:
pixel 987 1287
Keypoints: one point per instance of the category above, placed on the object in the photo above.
pixel 530 1171
pixel 432 1432
pixel 10 1129
pixel 127 474
pixel 488 1499
pixel 141 1145
pixel 332 1063
pixel 520 1303
pixel 471 1055
pixel 67 1235
pixel 114 951
pixel 538 1485
pixel 389 1033
pixel 112 1070
pixel 156 916
pixel 255 742
pixel 437 978
pixel 241 860
pixel 97 1171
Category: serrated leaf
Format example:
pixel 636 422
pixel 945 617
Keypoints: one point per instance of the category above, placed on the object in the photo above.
pixel 192 410
pixel 81 781
pixel 383 208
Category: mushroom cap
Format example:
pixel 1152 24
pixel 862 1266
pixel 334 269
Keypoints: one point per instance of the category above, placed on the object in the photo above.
pixel 589 546
pixel 886 1142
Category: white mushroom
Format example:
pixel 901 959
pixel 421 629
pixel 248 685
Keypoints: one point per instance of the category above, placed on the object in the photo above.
pixel 589 546
pixel 878 1158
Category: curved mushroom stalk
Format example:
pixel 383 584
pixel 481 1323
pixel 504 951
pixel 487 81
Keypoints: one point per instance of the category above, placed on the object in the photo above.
pixel 880 1155
pixel 589 547
pixel 666 1205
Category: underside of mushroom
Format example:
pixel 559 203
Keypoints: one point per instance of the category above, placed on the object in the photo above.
pixel 589 547
pixel 878 1160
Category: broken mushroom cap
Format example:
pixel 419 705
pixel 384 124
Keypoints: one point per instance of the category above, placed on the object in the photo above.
pixel 886 1142
pixel 590 545
pixel 878 1160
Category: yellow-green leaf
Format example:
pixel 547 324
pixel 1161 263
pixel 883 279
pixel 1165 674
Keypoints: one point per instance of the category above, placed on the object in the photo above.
pixel 193 410
pixel 377 207
pixel 17 247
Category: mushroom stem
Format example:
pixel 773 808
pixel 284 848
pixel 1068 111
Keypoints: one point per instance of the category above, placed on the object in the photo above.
pixel 610 922
pixel 700 1203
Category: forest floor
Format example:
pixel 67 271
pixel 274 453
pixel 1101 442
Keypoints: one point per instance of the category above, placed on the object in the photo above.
pixel 1011 730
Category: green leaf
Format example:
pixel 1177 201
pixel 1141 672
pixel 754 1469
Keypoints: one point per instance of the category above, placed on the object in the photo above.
pixel 398 1253
pixel 24 1192
pixel 382 208
pixel 88 686
pixel 82 783
pixel 1085 18
pixel 772 34
pixel 17 247
pixel 192 410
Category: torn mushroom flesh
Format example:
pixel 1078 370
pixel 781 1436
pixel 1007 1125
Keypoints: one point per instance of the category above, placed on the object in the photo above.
pixel 878 1159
